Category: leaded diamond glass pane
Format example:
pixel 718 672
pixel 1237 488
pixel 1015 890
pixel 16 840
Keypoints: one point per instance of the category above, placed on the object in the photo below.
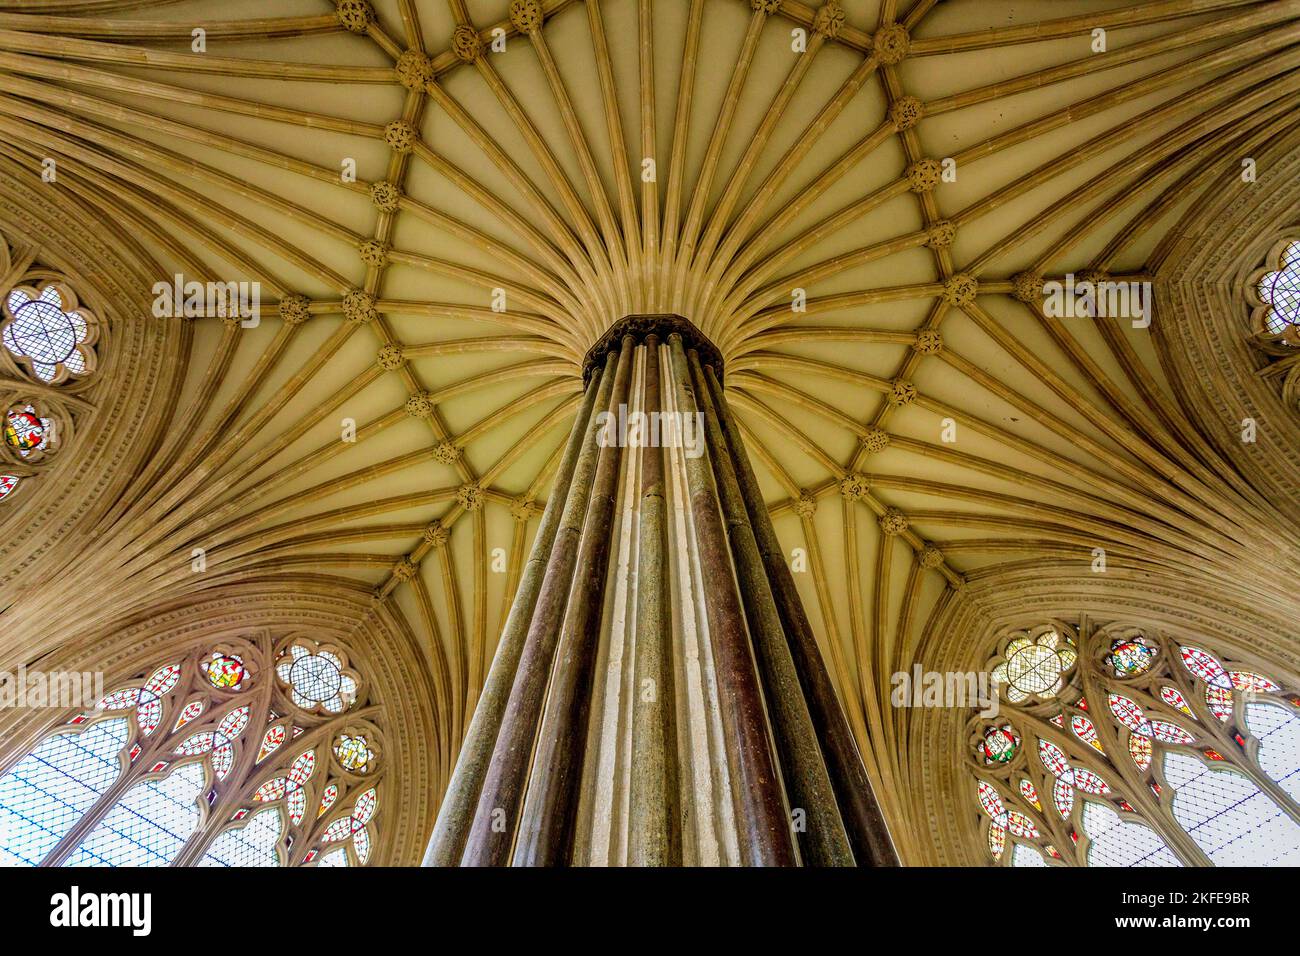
pixel 49 789
pixel 1278 732
pixel 250 845
pixel 148 826
pixel 1229 817
pixel 1118 842
pixel 1024 856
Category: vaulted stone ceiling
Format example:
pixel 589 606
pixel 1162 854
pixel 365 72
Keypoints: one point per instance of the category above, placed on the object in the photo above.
pixel 859 202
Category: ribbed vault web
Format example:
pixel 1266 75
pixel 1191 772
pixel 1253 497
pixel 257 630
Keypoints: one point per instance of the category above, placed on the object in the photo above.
pixel 640 156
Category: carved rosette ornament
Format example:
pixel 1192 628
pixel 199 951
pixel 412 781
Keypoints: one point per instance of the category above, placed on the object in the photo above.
pixel 385 195
pixel 893 521
pixel 854 487
pixel 446 453
pixel 829 20
pixel 901 392
pixel 295 309
pixel 391 358
pixel 891 43
pixel 526 15
pixel 941 234
pixel 1093 276
pixel 928 342
pixel 419 405
pixel 437 535
pixel 466 43
pixel 470 496
pixel 414 69
pixel 1027 286
pixel 875 440
pixel 960 289
pixel 768 7
pixel 400 136
pixel 524 509
pixel 355 16
pixel 930 557
pixel 923 175
pixel 359 306
pixel 805 506
pixel 374 253
pixel 905 112
pixel 1090 279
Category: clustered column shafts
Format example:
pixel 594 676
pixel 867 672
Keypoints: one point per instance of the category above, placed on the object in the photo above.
pixel 653 828
pixel 863 820
pixel 461 798
pixel 657 697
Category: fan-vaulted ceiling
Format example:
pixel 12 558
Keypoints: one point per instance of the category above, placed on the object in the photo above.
pixel 857 201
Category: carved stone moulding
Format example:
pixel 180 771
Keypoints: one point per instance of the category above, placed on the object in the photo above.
pixel 662 325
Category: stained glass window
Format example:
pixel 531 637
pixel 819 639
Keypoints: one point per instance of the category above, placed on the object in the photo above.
pixel 1229 817
pixel 1000 744
pixel 27 431
pixel 1116 842
pixel 225 671
pixel 192 710
pixel 1035 666
pixel 354 753
pixel 148 825
pixel 162 772
pixel 291 786
pixel 1278 731
pixel 1086 731
pixel 1130 656
pixel 1024 856
pixel 1280 291
pixel 51 337
pixel 52 787
pixel 1207 771
pixel 47 330
pixel 271 741
pixel 250 845
pixel 353 825
pixel 317 678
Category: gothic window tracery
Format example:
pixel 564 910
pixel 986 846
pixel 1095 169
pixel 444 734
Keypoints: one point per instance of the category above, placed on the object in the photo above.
pixel 1280 291
pixel 1274 293
pixel 1143 750
pixel 49 332
pixel 205 758
pixel 47 338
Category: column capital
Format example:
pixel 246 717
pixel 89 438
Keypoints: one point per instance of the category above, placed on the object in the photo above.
pixel 660 324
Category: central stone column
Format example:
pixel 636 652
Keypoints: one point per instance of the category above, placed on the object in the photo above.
pixel 657 697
